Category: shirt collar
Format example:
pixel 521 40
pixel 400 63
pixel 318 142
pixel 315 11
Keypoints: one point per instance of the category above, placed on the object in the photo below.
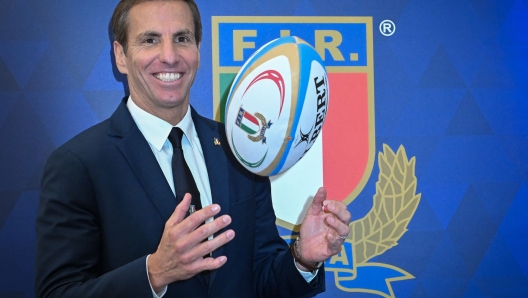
pixel 156 130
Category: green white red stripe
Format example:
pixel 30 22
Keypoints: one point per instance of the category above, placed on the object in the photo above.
pixel 247 122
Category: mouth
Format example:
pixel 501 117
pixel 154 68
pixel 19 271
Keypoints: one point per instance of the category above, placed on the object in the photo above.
pixel 168 76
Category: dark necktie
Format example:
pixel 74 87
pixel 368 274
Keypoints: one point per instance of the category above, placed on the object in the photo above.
pixel 183 178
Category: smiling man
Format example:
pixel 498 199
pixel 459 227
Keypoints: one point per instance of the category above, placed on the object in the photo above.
pixel 113 219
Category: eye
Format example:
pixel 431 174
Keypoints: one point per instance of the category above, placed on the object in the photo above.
pixel 150 41
pixel 183 39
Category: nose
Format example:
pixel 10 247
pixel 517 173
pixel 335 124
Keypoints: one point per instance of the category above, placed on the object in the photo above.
pixel 168 53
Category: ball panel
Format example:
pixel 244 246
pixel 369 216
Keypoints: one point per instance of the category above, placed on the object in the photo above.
pixel 311 67
pixel 300 41
pixel 266 107
pixel 287 50
pixel 263 54
pixel 311 117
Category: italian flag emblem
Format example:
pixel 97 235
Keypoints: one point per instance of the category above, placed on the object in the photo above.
pixel 247 122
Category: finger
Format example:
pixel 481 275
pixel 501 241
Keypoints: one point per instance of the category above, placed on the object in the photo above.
pixel 180 211
pixel 191 248
pixel 338 209
pixel 209 229
pixel 340 228
pixel 334 244
pixel 212 263
pixel 197 218
pixel 335 204
pixel 206 247
pixel 317 204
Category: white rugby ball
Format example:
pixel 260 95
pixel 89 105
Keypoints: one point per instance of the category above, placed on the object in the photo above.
pixel 276 106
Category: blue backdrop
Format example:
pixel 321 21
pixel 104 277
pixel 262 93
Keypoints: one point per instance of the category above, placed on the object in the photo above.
pixel 451 85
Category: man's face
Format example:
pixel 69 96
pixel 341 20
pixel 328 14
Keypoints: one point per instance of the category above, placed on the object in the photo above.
pixel 162 56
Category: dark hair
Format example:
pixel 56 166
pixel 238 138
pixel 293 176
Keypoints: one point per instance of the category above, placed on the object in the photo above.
pixel 120 20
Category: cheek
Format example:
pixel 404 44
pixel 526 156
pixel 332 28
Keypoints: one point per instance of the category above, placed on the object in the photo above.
pixel 140 70
pixel 140 60
pixel 193 59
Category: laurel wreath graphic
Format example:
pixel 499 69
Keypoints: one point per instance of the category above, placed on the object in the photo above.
pixel 394 205
pixel 263 121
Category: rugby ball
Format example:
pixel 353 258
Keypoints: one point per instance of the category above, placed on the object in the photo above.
pixel 276 106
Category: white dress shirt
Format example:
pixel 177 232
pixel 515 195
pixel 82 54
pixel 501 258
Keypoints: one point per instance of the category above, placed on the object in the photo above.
pixel 156 131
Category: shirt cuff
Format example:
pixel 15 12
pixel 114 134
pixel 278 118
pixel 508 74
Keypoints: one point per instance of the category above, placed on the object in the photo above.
pixel 154 294
pixel 308 276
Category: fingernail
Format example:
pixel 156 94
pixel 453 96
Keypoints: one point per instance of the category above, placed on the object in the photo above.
pixel 230 234
pixel 225 219
pixel 215 207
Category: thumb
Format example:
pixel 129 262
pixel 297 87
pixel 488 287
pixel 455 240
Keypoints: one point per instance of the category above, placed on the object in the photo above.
pixel 317 204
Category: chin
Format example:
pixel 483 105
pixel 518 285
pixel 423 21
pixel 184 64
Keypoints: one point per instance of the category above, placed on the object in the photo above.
pixel 173 102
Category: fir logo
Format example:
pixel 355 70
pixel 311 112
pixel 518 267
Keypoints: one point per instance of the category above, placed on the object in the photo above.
pixel 343 157
pixel 250 124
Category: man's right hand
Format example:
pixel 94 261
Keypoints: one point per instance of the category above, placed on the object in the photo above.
pixel 180 253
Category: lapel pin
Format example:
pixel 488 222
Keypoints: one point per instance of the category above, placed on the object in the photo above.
pixel 216 142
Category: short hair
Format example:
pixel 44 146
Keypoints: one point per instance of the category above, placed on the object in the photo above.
pixel 120 20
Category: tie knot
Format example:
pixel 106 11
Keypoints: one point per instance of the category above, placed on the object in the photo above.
pixel 175 137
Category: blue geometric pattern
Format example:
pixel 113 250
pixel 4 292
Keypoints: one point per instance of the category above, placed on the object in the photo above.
pixel 451 85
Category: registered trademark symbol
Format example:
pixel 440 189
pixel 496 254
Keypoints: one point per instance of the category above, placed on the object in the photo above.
pixel 387 28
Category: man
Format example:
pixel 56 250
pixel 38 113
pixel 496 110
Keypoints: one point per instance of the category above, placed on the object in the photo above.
pixel 109 224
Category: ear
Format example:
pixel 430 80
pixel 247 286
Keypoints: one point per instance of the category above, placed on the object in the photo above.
pixel 199 59
pixel 120 58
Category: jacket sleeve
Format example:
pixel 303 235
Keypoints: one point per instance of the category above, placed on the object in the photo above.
pixel 68 238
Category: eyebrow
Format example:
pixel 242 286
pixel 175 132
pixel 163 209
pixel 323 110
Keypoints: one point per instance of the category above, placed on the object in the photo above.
pixel 146 34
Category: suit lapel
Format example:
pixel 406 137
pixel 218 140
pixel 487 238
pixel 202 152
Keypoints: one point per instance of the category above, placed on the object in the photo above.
pixel 215 160
pixel 217 168
pixel 137 152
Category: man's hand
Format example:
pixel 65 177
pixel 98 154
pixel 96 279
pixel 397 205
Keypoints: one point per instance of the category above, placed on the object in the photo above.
pixel 323 225
pixel 180 253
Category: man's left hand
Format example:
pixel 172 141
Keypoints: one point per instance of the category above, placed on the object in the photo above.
pixel 324 229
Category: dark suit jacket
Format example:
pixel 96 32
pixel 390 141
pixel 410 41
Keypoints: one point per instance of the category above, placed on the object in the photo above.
pixel 104 203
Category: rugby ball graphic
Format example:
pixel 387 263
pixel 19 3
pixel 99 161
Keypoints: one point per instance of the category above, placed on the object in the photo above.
pixel 276 106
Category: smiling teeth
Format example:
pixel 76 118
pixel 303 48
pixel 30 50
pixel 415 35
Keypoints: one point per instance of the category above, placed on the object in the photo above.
pixel 168 77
